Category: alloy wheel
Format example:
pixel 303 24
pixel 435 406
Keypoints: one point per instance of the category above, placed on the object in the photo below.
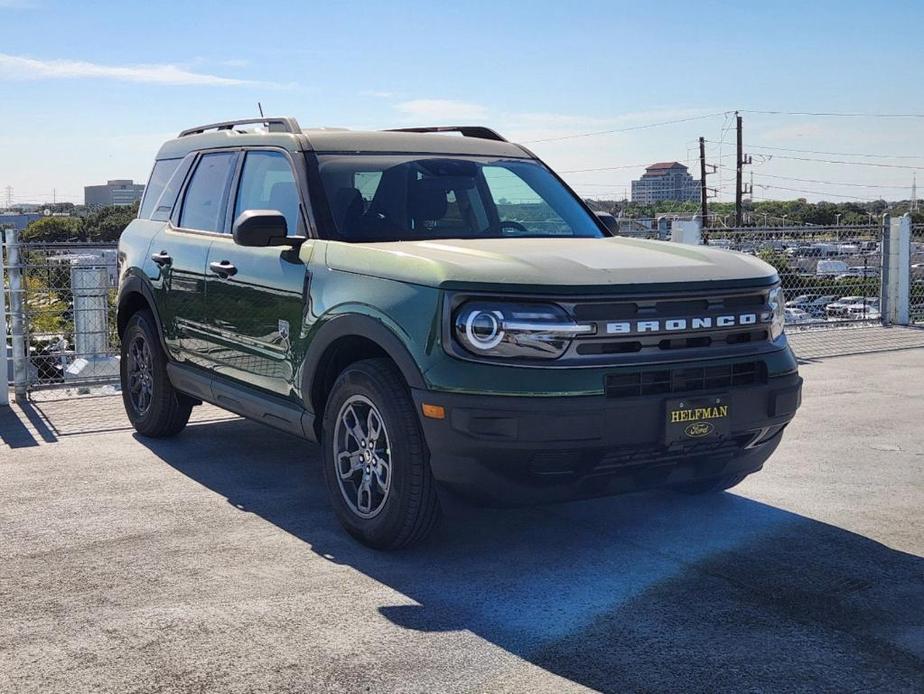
pixel 140 375
pixel 362 456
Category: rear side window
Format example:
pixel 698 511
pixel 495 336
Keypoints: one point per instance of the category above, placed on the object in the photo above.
pixel 207 194
pixel 162 172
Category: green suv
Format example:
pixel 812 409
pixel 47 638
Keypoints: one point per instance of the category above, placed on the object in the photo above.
pixel 447 318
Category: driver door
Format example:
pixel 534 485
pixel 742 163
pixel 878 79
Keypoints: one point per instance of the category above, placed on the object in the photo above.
pixel 256 296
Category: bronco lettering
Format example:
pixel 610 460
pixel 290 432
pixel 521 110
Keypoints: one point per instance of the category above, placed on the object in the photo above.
pixel 681 324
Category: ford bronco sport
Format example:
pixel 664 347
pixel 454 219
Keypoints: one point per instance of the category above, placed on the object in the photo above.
pixel 447 318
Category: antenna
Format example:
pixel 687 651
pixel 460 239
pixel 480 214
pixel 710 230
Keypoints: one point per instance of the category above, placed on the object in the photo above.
pixel 260 107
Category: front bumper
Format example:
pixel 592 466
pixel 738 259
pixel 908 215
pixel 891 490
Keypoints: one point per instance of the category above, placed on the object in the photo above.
pixel 500 450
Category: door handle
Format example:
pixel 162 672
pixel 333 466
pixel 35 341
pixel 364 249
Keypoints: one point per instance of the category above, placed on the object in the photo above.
pixel 222 269
pixel 162 258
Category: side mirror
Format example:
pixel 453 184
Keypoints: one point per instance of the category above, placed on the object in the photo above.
pixel 261 228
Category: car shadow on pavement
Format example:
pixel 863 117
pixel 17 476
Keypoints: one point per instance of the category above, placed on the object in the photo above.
pixel 647 592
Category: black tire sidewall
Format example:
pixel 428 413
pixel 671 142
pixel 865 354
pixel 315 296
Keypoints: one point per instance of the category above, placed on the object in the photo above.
pixel 143 322
pixel 407 452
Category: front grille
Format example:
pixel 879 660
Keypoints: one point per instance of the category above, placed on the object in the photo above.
pixel 685 380
pixel 728 320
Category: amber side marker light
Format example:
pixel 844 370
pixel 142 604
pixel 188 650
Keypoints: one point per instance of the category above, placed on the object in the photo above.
pixel 434 411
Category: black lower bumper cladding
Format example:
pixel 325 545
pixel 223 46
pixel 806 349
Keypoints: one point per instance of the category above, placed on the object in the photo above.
pixel 502 450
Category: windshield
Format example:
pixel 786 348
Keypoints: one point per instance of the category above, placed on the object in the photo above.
pixel 376 197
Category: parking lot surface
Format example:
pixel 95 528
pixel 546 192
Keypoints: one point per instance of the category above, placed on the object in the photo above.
pixel 212 562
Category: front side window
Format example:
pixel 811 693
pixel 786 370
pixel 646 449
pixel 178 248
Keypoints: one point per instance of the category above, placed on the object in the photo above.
pixel 267 183
pixel 207 194
pixel 385 197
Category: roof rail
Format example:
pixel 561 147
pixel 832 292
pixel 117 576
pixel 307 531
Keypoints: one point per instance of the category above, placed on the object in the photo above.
pixel 275 125
pixel 478 131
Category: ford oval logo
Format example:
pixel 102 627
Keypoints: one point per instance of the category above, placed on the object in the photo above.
pixel 699 429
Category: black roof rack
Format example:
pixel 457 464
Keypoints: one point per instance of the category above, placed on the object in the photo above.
pixel 478 131
pixel 274 125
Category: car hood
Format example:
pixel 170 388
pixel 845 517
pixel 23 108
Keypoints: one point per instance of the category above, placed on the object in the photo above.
pixel 562 264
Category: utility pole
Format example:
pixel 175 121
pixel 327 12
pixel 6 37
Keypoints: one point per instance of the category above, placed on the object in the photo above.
pixel 704 207
pixel 704 190
pixel 738 170
pixel 914 192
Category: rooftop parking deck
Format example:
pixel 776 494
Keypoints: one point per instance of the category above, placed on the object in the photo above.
pixel 212 561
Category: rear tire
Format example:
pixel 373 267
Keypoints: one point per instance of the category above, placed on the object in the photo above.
pixel 152 404
pixel 375 460
pixel 714 485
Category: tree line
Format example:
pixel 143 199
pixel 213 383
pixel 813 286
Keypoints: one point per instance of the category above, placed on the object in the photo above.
pixel 770 212
pixel 105 224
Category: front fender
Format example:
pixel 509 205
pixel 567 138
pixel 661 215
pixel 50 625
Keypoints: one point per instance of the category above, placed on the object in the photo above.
pixel 373 328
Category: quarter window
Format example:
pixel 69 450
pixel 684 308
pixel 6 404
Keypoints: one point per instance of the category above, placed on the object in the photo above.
pixel 205 201
pixel 164 206
pixel 162 172
pixel 267 183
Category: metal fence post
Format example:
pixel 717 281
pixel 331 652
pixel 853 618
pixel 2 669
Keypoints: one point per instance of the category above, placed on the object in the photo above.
pixel 899 270
pixel 687 231
pixel 663 225
pixel 4 349
pixel 885 255
pixel 17 316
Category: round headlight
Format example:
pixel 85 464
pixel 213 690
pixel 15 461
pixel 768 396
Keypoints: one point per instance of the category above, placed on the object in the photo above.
pixel 515 330
pixel 484 329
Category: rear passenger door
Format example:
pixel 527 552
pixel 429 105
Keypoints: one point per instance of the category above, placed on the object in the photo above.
pixel 181 251
pixel 256 296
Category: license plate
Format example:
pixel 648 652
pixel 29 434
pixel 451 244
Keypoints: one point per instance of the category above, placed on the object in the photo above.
pixel 697 419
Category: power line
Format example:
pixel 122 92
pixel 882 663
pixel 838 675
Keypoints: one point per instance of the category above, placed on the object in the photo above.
pixel 829 183
pixel 848 163
pixel 824 182
pixel 835 114
pixel 626 130
pixel 605 168
pixel 840 154
pixel 813 192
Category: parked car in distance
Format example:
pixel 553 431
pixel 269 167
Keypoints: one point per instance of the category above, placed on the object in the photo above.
pixel 830 267
pixel 858 271
pixel 840 308
pixel 393 297
pixel 797 315
pixel 816 307
pixel 863 312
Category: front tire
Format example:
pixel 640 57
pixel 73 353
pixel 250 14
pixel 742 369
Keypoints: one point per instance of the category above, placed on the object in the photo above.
pixel 152 404
pixel 375 460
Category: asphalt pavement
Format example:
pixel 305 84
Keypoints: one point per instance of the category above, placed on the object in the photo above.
pixel 212 563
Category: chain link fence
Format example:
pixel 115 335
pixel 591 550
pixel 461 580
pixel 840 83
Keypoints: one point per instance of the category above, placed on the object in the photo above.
pixel 61 314
pixel 916 302
pixel 830 275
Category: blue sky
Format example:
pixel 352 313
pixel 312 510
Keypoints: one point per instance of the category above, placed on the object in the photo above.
pixel 90 90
